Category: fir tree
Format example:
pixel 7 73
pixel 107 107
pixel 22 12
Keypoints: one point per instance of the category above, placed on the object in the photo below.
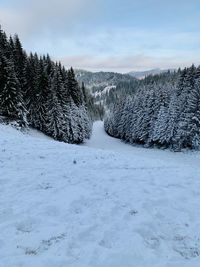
pixel 10 95
pixel 44 91
pixel 74 89
pixel 165 111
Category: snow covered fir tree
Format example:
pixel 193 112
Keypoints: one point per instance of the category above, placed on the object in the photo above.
pixel 165 112
pixel 36 92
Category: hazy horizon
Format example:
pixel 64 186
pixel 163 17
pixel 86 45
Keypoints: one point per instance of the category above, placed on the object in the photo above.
pixel 128 72
pixel 99 35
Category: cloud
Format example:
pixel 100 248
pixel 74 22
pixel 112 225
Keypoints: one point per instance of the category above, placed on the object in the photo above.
pixel 125 63
pixel 43 16
pixel 130 49
pixel 99 34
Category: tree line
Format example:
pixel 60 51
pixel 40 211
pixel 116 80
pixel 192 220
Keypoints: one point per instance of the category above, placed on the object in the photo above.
pixel 37 92
pixel 164 112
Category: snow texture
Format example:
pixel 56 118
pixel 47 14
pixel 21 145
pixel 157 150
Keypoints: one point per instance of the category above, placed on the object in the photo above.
pixel 102 204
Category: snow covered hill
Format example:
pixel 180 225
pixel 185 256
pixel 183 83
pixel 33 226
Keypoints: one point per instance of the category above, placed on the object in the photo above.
pixel 104 204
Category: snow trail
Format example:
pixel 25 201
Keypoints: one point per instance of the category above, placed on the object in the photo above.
pixel 101 140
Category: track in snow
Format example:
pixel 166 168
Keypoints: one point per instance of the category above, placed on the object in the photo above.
pixel 100 139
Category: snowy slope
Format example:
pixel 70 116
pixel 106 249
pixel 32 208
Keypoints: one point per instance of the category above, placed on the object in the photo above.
pixel 105 90
pixel 82 206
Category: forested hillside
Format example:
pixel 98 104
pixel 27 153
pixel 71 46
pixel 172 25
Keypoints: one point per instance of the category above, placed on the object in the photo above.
pixel 107 87
pixel 38 92
pixel 142 74
pixel 164 112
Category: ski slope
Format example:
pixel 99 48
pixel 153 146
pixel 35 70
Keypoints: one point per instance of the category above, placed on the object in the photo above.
pixel 103 204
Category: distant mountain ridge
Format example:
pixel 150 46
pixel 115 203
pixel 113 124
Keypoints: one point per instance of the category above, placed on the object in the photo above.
pixel 106 87
pixel 102 78
pixel 142 74
pixel 94 79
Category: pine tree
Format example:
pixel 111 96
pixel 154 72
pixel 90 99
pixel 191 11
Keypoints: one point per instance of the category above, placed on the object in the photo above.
pixel 10 95
pixel 124 130
pixel 164 111
pixel 160 127
pixel 74 89
pixel 20 59
pixel 44 91
pixel 40 115
pixel 55 116
pixel 173 118
pixel 183 130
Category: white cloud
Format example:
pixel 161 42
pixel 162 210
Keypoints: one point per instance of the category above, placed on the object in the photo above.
pixel 59 27
pixel 125 63
pixel 43 16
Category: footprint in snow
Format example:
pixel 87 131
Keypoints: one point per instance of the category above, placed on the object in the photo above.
pixel 42 157
pixel 187 247
pixel 26 226
pixel 44 245
pixel 45 186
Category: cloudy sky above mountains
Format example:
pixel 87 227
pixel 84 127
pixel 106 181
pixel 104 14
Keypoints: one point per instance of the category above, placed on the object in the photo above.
pixel 117 35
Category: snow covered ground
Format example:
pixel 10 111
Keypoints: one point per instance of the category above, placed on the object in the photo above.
pixel 104 204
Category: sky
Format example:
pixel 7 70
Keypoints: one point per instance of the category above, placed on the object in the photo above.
pixel 108 35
